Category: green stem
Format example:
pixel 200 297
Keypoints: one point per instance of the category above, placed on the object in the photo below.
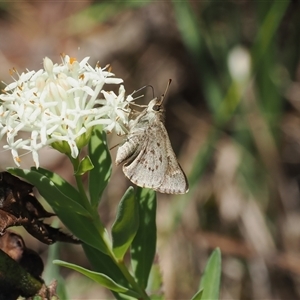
pixel 87 205
pixel 131 280
pixel 84 199
pixel 102 232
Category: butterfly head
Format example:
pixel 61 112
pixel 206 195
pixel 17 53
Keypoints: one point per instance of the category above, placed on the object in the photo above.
pixel 155 105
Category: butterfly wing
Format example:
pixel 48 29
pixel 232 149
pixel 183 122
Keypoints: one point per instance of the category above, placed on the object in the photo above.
pixel 155 166
pixel 175 181
pixel 130 149
pixel 148 168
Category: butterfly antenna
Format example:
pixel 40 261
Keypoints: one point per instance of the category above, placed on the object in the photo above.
pixel 143 87
pixel 140 89
pixel 162 97
pixel 113 147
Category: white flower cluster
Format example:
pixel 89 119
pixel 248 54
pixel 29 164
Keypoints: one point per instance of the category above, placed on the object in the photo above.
pixel 59 104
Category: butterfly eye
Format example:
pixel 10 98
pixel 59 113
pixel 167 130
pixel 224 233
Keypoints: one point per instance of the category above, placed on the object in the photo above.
pixel 156 107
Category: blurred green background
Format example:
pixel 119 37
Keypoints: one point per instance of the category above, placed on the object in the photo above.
pixel 233 118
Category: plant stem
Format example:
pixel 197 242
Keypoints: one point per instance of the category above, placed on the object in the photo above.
pixel 131 280
pixel 102 232
pixel 84 199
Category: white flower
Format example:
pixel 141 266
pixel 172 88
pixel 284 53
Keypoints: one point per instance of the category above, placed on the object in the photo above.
pixel 239 64
pixel 117 109
pixel 59 106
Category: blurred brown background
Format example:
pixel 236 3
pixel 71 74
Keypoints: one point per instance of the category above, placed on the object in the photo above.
pixel 236 136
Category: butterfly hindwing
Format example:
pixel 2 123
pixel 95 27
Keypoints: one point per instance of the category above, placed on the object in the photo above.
pixel 149 167
pixel 149 160
pixel 174 181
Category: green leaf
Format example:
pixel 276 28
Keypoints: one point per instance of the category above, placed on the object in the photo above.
pixel 104 264
pixel 65 187
pixel 155 282
pixel 85 165
pixel 100 278
pixel 198 295
pixel 210 281
pixel 188 26
pixel 157 297
pixel 72 214
pixel 126 223
pixel 53 194
pixel 144 244
pixel 52 271
pixel 100 158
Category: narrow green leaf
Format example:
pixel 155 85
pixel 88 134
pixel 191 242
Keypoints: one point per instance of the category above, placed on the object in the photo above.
pixel 144 244
pixel 85 165
pixel 52 271
pixel 155 282
pixel 100 278
pixel 65 187
pixel 126 223
pixel 210 281
pixel 157 297
pixel 72 214
pixel 100 158
pixel 267 31
pixel 55 194
pixel 188 26
pixel 198 295
pixel 103 263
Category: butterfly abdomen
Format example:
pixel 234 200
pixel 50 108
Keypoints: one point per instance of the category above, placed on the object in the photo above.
pixel 128 151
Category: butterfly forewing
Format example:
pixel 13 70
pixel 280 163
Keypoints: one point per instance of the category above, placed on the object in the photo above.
pixel 175 181
pixel 149 167
pixel 148 155
pixel 128 151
